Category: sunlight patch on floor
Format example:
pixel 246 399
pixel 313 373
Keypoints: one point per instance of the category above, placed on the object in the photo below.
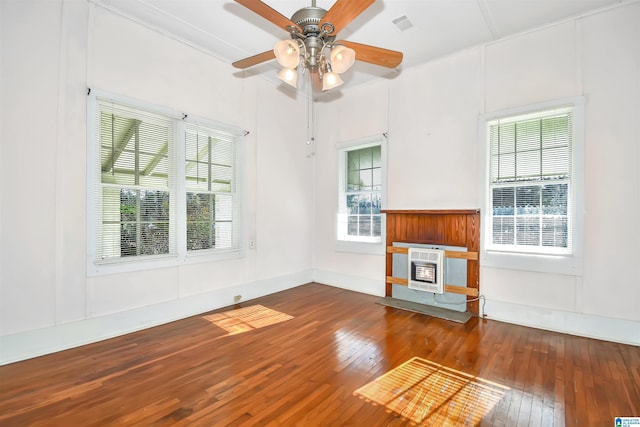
pixel 246 319
pixel 422 391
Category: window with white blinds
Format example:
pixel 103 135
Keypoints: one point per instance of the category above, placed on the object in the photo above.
pixel 160 187
pixel 136 198
pixel 531 182
pixel 212 205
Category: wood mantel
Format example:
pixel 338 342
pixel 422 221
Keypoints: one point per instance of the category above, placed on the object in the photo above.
pixel 437 227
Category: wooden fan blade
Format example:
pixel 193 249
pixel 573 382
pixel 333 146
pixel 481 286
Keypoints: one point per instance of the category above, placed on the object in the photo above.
pixel 268 13
pixel 255 59
pixel 374 55
pixel 344 11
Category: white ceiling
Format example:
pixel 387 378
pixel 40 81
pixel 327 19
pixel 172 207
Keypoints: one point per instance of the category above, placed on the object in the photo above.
pixel 229 31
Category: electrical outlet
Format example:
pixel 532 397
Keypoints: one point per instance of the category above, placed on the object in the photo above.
pixel 252 244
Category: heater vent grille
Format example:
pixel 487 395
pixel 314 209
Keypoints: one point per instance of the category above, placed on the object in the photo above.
pixel 426 270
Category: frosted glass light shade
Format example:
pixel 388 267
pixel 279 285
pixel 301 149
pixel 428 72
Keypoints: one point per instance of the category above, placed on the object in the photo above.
pixel 342 58
pixel 287 53
pixel 289 76
pixel 331 80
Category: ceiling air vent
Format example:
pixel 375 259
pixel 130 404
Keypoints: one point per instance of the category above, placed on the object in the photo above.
pixel 402 23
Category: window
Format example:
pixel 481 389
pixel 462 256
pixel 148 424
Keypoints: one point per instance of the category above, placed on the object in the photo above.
pixel 209 174
pixel 532 184
pixel 137 200
pixel 148 205
pixel 361 180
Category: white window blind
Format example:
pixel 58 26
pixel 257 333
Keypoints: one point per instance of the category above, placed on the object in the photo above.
pixel 136 200
pixel 531 182
pixel 212 203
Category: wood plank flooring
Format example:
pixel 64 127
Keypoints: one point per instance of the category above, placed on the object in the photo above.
pixel 321 356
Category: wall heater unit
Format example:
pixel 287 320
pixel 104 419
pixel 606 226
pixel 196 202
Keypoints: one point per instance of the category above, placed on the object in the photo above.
pixel 426 270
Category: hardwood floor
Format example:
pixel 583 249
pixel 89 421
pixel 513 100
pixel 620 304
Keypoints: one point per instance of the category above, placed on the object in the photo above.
pixel 318 355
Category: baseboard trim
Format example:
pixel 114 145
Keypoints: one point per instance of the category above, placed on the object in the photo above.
pixel 351 283
pixel 29 344
pixel 584 325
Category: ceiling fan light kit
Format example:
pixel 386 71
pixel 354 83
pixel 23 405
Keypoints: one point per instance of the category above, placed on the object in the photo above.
pixel 331 80
pixel 313 31
pixel 287 53
pixel 289 76
pixel 342 58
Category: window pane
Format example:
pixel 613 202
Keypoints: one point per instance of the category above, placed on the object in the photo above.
pixel 555 199
pixel 154 206
pixel 503 230
pixel 503 201
pixel 154 238
pixel 353 202
pixel 144 218
pixel 199 235
pixel 365 226
pixel 556 162
pixel 506 167
pixel 377 225
pixel 364 204
pixel 353 225
pixel 377 179
pixel 198 207
pixel 366 179
pixel 555 232
pixel 223 235
pixel 128 205
pixel 556 132
pixel 223 207
pixel 528 136
pixel 353 181
pixel 366 158
pixel 129 239
pixel 528 164
pixel 528 200
pixel 376 203
pixel 528 231
pixel 131 149
pixel 353 161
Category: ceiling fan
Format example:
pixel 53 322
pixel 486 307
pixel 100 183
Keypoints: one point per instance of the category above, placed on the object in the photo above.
pixel 313 32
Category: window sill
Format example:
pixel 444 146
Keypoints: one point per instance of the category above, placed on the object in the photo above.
pixel 372 248
pixel 132 265
pixel 558 264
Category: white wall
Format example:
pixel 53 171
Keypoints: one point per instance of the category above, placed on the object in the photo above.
pixel 51 52
pixel 432 114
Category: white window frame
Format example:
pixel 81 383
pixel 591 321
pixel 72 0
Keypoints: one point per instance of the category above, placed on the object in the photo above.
pixel 236 185
pixel 569 264
pixel 177 188
pixel 344 243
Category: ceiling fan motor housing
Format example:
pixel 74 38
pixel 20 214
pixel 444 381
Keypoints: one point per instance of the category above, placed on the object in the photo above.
pixel 308 19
